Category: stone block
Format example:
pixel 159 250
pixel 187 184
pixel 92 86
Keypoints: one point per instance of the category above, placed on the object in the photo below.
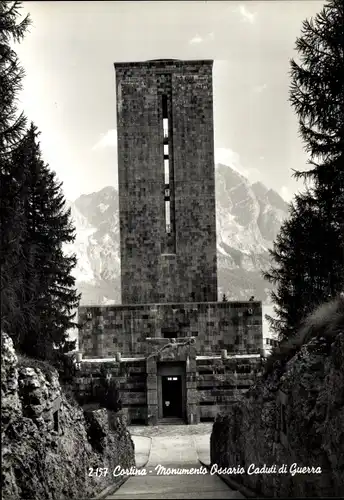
pixel 192 412
pixel 137 414
pixel 152 398
pixel 152 384
pixel 191 366
pixel 152 415
pixel 151 365
pixel 191 377
pixel 208 411
pixel 191 385
pixel 133 398
pixel 192 351
pixel 192 396
pixel 151 380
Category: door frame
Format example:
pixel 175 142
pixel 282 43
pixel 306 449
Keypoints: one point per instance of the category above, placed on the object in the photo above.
pixel 177 398
pixel 171 369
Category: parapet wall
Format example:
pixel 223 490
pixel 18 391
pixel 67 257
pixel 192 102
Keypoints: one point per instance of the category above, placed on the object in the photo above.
pixel 221 381
pixel 131 377
pixel 213 382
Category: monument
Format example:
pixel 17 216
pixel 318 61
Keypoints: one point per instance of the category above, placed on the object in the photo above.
pixel 177 352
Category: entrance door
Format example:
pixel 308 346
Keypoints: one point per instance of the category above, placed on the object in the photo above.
pixel 171 396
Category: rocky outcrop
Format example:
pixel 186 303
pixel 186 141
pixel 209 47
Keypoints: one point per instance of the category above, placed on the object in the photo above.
pixel 51 448
pixel 294 416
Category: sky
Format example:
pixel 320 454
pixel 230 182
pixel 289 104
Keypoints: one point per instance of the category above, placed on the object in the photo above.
pixel 69 88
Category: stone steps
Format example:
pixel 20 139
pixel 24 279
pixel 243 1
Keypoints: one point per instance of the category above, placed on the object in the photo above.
pixel 171 421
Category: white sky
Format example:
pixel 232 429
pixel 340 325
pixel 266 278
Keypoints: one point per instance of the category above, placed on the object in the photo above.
pixel 69 89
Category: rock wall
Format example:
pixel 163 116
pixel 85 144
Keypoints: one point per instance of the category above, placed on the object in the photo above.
pixel 290 416
pixel 49 444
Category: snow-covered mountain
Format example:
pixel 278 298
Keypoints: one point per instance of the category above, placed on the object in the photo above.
pixel 248 219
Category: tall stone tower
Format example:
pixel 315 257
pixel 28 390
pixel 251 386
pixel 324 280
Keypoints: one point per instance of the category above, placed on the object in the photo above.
pixel 166 181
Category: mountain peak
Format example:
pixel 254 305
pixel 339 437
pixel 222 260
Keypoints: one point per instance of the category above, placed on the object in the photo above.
pixel 260 189
pixel 248 217
pixel 277 200
pixel 223 169
pixel 108 190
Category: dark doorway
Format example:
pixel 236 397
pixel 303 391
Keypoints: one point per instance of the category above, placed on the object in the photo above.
pixel 171 396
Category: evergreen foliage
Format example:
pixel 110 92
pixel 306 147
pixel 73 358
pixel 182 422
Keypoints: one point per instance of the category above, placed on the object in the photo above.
pixel 308 254
pixel 12 177
pixel 38 295
pixel 12 125
pixel 49 298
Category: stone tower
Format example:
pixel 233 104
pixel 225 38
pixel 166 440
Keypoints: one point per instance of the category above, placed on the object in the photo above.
pixel 166 181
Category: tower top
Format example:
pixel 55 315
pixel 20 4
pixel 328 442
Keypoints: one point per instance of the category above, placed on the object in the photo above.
pixel 167 64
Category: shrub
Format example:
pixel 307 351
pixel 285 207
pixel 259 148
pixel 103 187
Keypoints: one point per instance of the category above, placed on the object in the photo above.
pixel 325 322
pixel 27 362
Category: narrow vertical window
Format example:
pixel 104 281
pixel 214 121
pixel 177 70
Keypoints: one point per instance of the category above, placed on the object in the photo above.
pixel 165 127
pixel 167 171
pixel 168 216
pixel 165 116
pixel 164 106
pixel 167 192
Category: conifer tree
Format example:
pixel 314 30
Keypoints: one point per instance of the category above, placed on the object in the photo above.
pixel 38 296
pixel 51 297
pixel 308 254
pixel 12 128
pixel 12 125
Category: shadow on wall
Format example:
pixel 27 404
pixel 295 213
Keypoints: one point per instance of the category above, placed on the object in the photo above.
pixel 292 416
pixel 105 393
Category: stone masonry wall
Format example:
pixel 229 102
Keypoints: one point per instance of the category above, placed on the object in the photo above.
pixel 189 272
pixel 131 376
pixel 294 417
pixel 194 178
pixel 141 200
pixel 49 445
pixel 220 381
pixel 212 383
pixel 235 326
